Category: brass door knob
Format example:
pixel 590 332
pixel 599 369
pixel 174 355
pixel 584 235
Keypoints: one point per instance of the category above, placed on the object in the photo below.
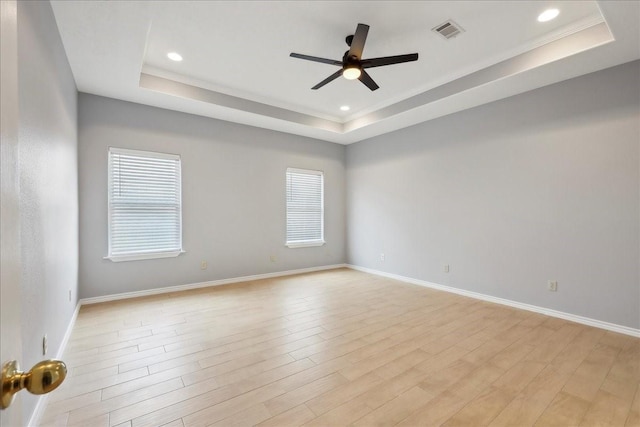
pixel 44 377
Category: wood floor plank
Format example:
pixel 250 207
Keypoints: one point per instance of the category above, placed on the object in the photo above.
pixel 402 364
pixel 396 409
pixel 606 409
pixel 589 376
pixel 79 415
pixel 116 361
pixel 578 349
pixel 633 419
pixel 303 394
pixel 74 387
pixel 339 347
pixel 481 410
pixel 564 410
pixel 296 416
pixel 519 376
pixel 341 415
pixel 511 355
pixel 73 403
pixel 201 405
pixel 330 400
pixel 49 419
pixel 530 403
pixel 436 412
pixel 149 380
pixel 99 421
pixel 249 417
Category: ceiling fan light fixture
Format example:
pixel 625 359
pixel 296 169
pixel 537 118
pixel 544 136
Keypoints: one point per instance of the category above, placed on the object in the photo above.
pixel 351 73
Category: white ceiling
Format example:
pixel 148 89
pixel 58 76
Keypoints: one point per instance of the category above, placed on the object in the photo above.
pixel 237 67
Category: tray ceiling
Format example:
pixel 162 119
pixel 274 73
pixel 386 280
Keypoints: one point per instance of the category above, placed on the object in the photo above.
pixel 236 63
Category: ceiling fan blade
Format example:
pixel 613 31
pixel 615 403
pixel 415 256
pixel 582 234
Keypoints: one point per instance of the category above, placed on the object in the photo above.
pixel 368 81
pixel 331 78
pixel 388 60
pixel 357 44
pixel 316 59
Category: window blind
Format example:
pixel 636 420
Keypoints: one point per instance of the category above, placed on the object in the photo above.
pixel 145 213
pixel 305 207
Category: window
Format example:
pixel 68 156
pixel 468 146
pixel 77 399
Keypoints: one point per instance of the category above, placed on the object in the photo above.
pixel 305 208
pixel 145 212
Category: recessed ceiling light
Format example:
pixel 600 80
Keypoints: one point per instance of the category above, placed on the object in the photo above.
pixel 548 15
pixel 174 56
pixel 345 108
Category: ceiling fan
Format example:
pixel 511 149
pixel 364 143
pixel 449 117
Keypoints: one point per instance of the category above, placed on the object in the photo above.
pixel 353 66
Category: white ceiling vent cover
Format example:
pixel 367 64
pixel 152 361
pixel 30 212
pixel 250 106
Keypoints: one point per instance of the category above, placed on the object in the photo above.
pixel 448 29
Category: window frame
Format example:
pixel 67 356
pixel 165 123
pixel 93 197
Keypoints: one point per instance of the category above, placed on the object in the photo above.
pixel 136 256
pixel 305 243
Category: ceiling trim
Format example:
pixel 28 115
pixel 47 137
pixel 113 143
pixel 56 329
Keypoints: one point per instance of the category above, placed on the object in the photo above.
pixel 594 36
pixel 196 93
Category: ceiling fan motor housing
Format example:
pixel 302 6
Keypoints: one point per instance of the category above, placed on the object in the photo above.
pixel 349 61
pixel 349 40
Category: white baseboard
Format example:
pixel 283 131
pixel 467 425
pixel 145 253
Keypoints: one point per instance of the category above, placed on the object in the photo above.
pixel 178 288
pixel 547 311
pixel 67 334
pixel 38 411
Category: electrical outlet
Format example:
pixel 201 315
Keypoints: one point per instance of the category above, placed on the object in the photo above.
pixel 446 268
pixel 382 257
pixel 203 265
pixel 273 258
pixel 552 285
pixel 45 345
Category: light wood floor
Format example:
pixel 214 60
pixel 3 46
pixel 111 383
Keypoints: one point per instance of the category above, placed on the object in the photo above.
pixel 339 347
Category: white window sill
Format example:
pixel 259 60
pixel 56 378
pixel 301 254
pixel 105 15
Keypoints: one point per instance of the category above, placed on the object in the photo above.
pixel 138 257
pixel 305 244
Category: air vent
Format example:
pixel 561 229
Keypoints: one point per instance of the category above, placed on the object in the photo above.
pixel 448 29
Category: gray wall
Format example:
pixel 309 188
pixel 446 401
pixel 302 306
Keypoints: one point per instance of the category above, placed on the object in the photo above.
pixel 233 181
pixel 537 187
pixel 47 139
